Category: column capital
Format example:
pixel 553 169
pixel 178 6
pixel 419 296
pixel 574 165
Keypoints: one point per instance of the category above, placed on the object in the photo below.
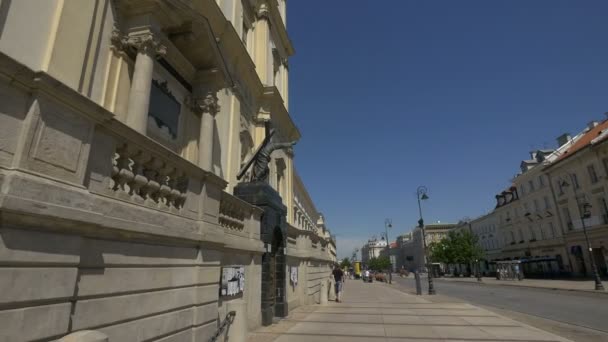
pixel 208 103
pixel 146 42
pixel 118 41
pixel 263 11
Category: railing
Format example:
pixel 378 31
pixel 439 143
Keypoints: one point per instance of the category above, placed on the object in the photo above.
pixel 147 178
pixel 233 212
pixel 223 326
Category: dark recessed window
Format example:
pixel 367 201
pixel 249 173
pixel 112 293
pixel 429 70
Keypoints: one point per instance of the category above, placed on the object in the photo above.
pixel 164 108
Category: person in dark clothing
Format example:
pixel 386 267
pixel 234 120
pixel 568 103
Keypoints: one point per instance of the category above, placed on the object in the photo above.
pixel 339 278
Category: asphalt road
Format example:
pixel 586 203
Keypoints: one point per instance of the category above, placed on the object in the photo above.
pixel 570 307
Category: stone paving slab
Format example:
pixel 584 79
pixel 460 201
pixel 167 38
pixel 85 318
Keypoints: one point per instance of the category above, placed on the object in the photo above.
pixel 378 312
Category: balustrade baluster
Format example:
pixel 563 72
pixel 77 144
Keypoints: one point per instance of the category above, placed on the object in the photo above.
pixel 140 180
pixel 125 175
pixel 150 190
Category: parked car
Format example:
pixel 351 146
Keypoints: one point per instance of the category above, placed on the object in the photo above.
pixel 379 276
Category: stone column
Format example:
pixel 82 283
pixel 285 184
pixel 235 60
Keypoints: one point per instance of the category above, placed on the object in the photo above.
pixel 262 44
pixel 148 49
pixel 207 107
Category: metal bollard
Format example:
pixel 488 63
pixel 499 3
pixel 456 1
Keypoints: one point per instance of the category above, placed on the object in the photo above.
pixel 418 285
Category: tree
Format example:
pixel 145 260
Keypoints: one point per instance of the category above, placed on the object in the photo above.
pixel 345 263
pixel 379 264
pixel 457 248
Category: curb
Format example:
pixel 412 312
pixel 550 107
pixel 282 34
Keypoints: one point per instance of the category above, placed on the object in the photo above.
pixel 594 292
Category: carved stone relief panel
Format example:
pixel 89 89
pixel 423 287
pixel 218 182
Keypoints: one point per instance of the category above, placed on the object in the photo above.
pixel 60 143
pixel 13 108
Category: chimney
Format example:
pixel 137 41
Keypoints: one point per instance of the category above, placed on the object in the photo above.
pixel 563 139
pixel 592 124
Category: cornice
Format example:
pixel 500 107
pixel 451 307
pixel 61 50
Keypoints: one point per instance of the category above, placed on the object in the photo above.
pixel 272 102
pixel 277 22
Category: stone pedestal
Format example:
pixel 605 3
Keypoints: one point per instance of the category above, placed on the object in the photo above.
pixel 239 328
pixel 331 289
pixel 85 336
pixel 324 293
pixel 273 232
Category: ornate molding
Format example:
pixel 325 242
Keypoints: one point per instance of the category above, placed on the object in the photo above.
pixel 118 41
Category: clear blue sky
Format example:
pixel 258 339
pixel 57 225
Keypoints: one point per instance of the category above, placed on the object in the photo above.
pixel 449 94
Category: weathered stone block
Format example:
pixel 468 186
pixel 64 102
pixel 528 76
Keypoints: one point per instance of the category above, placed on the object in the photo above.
pixel 208 274
pixel 206 294
pixel 103 253
pixel 95 312
pixel 25 247
pixel 183 336
pixel 32 284
pixel 34 323
pixel 204 332
pixel 205 313
pixel 117 280
pixel 150 327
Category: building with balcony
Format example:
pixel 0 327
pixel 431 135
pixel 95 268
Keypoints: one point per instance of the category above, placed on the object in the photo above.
pixel 528 221
pixel 123 125
pixel 578 178
pixel 539 218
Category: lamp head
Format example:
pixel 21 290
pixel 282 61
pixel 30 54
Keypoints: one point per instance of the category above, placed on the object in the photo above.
pixel 424 197
pixel 587 210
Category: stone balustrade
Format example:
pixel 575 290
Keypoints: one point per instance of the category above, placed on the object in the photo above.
pixel 147 178
pixel 233 212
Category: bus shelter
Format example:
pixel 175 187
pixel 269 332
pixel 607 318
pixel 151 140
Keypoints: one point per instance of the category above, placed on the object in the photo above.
pixel 509 270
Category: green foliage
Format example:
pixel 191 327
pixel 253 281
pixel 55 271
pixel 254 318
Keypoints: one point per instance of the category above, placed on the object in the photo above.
pixel 379 264
pixel 345 263
pixel 457 248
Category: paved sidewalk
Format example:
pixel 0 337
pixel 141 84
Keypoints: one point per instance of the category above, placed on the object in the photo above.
pixel 566 285
pixel 378 312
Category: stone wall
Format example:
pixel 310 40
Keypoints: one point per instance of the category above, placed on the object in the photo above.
pixel 102 228
pixel 128 290
pixel 313 256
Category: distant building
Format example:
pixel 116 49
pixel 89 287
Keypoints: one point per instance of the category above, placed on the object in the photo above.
pixel 539 218
pixel 372 249
pixel 411 247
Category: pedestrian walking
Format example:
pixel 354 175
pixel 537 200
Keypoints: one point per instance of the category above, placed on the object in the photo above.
pixel 339 278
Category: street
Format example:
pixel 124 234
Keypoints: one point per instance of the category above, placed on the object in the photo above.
pixel 576 309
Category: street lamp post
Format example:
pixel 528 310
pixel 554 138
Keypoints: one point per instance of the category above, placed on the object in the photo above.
pixel 388 224
pixel 586 213
pixel 421 195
